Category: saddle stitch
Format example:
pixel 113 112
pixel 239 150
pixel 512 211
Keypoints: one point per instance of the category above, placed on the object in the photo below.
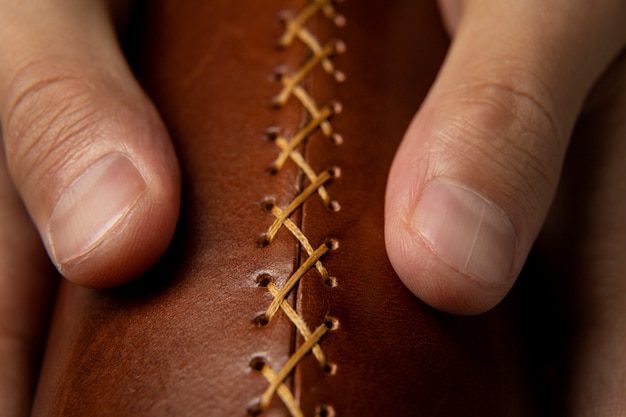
pixel 319 119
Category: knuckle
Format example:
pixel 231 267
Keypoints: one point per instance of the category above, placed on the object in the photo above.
pixel 47 115
pixel 514 130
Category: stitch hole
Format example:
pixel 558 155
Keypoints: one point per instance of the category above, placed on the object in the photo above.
pixel 339 47
pixel 330 282
pixel 335 172
pixel 272 169
pixel 330 369
pixel 264 280
pixel 261 320
pixel 262 240
pixel 268 204
pixel 332 244
pixel 255 410
pixel 336 107
pixel 272 133
pixel 324 410
pixel 334 206
pixel 332 323
pixel 336 139
pixel 284 16
pixel 257 363
pixel 279 73
pixel 339 20
pixel 276 103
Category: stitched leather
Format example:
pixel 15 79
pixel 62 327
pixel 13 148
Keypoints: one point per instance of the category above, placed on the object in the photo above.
pixel 200 334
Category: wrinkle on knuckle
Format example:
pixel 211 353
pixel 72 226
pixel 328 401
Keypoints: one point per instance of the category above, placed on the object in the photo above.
pixel 516 108
pixel 512 131
pixel 47 116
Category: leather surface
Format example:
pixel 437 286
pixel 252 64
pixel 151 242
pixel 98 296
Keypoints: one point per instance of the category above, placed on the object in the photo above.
pixel 180 340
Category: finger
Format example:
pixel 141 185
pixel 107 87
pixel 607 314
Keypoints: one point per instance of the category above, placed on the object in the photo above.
pixel 26 290
pixel 85 148
pixel 471 183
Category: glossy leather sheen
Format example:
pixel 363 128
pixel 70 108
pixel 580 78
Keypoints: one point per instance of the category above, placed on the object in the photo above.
pixel 182 340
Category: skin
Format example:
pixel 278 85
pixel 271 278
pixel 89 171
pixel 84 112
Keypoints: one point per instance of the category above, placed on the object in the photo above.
pixel 499 121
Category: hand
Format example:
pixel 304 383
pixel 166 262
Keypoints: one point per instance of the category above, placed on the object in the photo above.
pixel 76 127
pixel 478 169
pixel 55 154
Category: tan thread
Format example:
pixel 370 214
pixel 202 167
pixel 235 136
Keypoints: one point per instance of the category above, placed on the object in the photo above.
pixel 288 367
pixel 284 392
pixel 319 119
pixel 284 214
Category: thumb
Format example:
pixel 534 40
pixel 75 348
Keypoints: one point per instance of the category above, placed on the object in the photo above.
pixel 475 174
pixel 85 148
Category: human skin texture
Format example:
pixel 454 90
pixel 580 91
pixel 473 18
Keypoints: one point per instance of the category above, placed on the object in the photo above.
pixel 488 146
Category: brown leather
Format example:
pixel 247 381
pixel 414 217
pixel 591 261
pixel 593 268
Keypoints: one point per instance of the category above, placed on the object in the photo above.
pixel 189 338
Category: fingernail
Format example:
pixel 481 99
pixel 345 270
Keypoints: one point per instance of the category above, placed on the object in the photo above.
pixel 468 232
pixel 92 205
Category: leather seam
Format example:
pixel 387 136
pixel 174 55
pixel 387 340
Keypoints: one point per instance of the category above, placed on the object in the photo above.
pixel 314 184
